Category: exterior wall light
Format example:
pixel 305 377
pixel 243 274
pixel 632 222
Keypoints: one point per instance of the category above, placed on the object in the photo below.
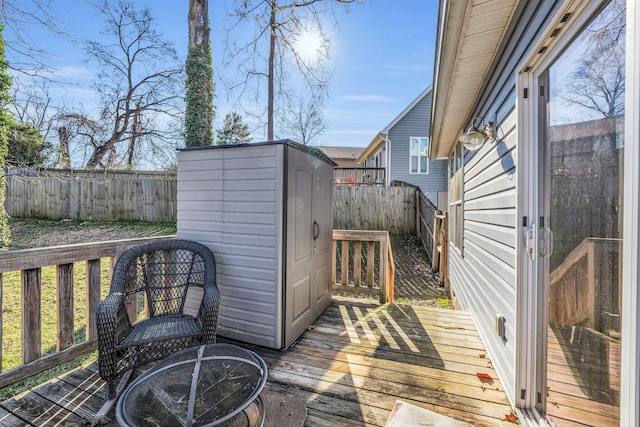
pixel 475 137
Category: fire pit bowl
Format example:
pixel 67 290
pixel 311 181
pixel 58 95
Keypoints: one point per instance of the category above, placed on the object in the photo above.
pixel 200 386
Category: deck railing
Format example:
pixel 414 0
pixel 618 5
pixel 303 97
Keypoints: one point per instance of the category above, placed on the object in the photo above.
pixel 364 247
pixel 30 263
pixel 356 246
pixel 359 176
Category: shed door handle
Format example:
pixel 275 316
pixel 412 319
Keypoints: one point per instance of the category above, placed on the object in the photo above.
pixel 316 230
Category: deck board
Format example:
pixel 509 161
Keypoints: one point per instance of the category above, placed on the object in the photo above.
pixel 350 367
pixel 567 403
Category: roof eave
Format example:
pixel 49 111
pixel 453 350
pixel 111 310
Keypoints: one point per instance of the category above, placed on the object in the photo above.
pixel 460 68
pixel 373 146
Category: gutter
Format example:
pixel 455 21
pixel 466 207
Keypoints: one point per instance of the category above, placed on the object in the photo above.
pixel 387 160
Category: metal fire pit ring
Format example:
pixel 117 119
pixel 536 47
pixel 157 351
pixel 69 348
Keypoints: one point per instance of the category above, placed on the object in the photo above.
pixel 200 386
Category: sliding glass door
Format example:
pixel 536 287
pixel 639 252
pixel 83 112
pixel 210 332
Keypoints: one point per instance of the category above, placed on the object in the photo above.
pixel 580 223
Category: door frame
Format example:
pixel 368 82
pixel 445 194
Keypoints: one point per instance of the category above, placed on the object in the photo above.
pixel 630 385
pixel 529 358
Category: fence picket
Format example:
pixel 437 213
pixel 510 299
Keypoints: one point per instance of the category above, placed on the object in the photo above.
pixel 391 209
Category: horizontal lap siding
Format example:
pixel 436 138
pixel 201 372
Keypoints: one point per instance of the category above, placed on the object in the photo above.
pixel 236 190
pixel 484 274
pixel 415 124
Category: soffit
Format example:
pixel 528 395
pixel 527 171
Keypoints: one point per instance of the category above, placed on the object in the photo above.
pixel 469 36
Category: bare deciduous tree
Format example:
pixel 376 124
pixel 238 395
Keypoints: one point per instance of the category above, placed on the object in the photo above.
pixel 303 122
pixel 598 83
pixel 25 55
pixel 275 50
pixel 140 86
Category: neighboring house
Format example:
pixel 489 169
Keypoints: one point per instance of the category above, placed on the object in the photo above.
pixel 536 215
pixel 345 157
pixel 402 149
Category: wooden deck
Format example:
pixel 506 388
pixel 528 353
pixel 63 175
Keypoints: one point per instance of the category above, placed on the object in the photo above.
pixel 349 368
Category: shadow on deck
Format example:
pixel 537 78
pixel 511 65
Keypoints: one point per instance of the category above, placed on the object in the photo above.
pixel 349 368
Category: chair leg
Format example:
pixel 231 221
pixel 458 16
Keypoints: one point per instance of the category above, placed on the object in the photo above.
pixel 99 418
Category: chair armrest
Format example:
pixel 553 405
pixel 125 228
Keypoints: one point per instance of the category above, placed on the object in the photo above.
pixel 112 320
pixel 209 312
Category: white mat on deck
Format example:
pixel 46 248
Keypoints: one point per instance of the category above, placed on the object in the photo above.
pixel 405 414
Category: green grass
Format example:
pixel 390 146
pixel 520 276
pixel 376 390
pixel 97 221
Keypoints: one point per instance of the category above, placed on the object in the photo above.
pixel 50 233
pixel 12 310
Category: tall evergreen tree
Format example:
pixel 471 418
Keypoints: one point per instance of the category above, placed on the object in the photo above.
pixel 200 111
pixel 233 130
pixel 5 122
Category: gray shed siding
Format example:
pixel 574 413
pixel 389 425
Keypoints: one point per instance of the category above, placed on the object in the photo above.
pixel 415 124
pixel 483 274
pixel 224 190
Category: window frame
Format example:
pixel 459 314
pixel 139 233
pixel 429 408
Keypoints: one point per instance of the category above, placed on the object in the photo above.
pixel 456 196
pixel 419 155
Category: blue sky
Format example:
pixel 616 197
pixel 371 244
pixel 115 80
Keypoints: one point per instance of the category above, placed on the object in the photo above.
pixel 382 58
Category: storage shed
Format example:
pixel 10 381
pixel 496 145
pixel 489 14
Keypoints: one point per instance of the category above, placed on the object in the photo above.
pixel 265 210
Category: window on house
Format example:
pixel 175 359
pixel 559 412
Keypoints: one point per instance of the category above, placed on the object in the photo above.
pixel 418 155
pixel 455 196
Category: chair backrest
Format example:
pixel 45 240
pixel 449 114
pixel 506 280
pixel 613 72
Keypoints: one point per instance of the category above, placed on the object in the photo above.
pixel 172 275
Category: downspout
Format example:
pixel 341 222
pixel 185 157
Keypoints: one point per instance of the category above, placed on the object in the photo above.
pixel 387 158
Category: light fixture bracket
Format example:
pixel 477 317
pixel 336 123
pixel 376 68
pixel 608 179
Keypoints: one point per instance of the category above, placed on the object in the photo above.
pixel 476 136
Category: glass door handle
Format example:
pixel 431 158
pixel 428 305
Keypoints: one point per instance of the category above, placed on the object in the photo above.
pixel 546 236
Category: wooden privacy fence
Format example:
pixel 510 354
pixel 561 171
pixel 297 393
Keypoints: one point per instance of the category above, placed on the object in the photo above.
pixel 426 221
pixel 391 209
pixel 30 262
pixel 93 195
pixel 152 196
pixel 358 246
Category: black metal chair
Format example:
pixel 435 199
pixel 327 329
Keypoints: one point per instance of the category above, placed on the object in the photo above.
pixel 178 281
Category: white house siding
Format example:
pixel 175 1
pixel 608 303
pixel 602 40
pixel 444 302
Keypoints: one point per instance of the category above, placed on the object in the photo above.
pixel 236 191
pixel 483 274
pixel 415 123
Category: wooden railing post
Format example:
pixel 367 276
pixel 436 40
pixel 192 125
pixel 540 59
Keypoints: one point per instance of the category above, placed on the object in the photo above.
pixel 371 250
pixel 31 323
pixel 93 296
pixel 392 273
pixel 344 268
pixel 334 255
pixel 64 278
pixel 384 267
pixel 357 263
pixel 1 305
